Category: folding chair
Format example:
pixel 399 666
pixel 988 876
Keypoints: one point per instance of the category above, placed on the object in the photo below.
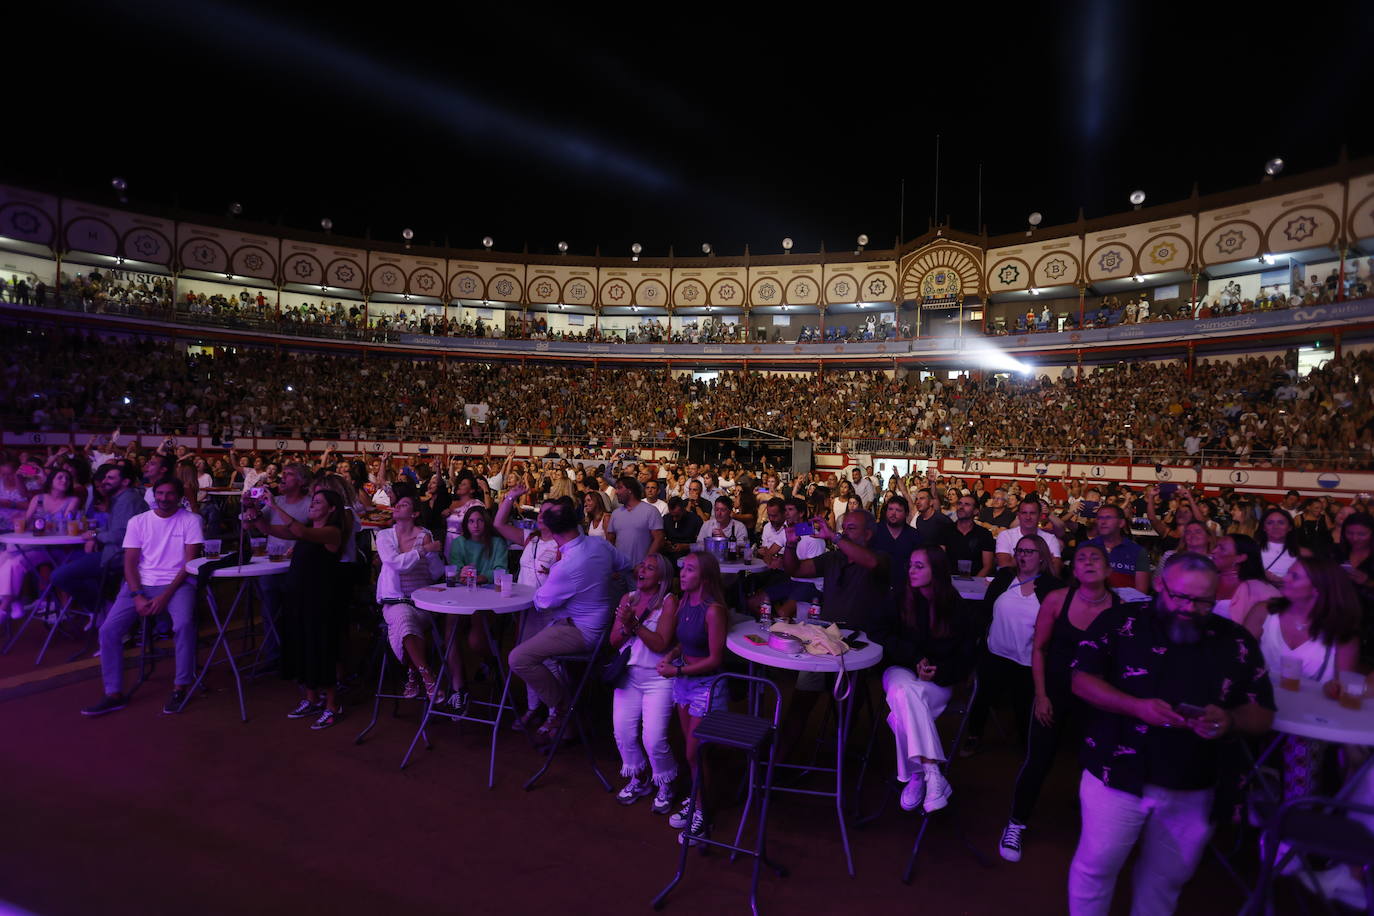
pixel 574 715
pixel 1319 827
pixel 382 658
pixel 893 788
pixel 106 597
pixel 149 654
pixel 756 736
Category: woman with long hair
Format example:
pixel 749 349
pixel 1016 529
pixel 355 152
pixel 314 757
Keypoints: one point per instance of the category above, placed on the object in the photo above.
pixel 1064 618
pixel 478 552
pixel 1004 666
pixel 1241 583
pixel 701 623
pixel 594 513
pixel 929 649
pixel 57 499
pixel 409 555
pixel 1315 624
pixel 1278 543
pixel 1356 553
pixel 308 624
pixel 839 503
pixel 645 620
pixel 1193 538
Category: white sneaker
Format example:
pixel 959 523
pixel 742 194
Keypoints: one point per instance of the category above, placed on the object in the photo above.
pixel 913 793
pixel 678 819
pixel 1010 847
pixel 634 790
pixel 938 791
pixel 663 801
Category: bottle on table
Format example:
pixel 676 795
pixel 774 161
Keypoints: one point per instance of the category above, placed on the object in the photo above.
pixel 765 615
pixel 814 615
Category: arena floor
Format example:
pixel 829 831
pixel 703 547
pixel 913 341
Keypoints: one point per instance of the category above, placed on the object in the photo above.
pixel 138 812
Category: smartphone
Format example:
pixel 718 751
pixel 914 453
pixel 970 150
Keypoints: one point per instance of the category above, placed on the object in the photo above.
pixel 805 528
pixel 756 639
pixel 1088 508
pixel 854 643
pixel 1189 711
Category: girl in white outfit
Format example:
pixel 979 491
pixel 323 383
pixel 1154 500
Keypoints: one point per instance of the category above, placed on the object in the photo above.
pixel 645 623
pixel 539 554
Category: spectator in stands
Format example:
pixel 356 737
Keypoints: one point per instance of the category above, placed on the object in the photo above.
pixel 594 514
pixel 1241 583
pixel 157 547
pixel 680 528
pixel 995 516
pixel 895 538
pixel 48 508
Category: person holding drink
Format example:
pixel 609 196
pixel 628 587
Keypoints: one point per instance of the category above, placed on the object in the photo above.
pixel 478 553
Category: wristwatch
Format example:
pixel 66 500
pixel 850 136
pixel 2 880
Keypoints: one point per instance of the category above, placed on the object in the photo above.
pixel 138 593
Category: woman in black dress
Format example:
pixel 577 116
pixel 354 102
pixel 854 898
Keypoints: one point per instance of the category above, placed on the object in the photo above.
pixel 307 626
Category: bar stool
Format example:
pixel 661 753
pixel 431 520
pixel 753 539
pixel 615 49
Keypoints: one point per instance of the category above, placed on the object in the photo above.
pixel 574 715
pixel 756 736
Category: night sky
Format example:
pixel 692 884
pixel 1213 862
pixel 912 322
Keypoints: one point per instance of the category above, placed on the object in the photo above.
pixel 536 128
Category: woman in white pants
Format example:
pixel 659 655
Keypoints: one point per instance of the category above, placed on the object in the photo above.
pixel 645 621
pixel 930 648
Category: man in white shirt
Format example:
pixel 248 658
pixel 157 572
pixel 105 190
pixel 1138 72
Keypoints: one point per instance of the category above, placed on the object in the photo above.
pixel 863 487
pixel 1028 525
pixel 578 597
pixel 157 547
pixel 651 497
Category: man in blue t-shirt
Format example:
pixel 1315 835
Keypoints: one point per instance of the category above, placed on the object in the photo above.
pixel 1129 563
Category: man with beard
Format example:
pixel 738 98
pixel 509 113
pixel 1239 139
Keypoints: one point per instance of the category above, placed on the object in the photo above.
pixel 895 537
pixel 1163 686
pixel 967 542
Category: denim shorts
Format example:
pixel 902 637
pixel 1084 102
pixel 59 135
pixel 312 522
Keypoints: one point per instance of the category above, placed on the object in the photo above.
pixel 695 693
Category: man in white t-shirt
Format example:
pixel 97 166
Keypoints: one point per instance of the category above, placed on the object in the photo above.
pixel 651 496
pixel 1028 524
pixel 635 529
pixel 157 547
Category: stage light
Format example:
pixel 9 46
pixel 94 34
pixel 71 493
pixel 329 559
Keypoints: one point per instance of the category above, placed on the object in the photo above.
pixel 487 242
pixel 407 234
pixel 1137 198
pixel 705 247
pixel 1034 220
pixel 1273 167
pixel 236 208
pixel 326 224
pixel 787 244
pixel 562 247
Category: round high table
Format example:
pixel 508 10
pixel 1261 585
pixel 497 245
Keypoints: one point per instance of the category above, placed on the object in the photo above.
pixel 1309 713
pixel 741 570
pixel 737 641
pixel 222 492
pixel 28 541
pixel 257 568
pixel 466 601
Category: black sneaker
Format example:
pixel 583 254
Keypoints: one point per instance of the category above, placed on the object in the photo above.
pixel 175 701
pixel 699 828
pixel 305 709
pixel 106 705
pixel 327 719
pixel 458 702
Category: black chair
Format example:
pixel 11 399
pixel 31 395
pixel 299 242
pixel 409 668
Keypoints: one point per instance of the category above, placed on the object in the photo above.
pixel 1319 827
pixel 588 662
pixel 383 660
pixel 756 736
pixel 149 654
pixel 962 708
pixel 110 580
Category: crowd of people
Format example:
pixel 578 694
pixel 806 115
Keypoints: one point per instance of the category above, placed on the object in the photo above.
pixel 1250 412
pixel 1090 589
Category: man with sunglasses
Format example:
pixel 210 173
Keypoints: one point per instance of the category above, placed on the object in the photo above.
pixel 1163 684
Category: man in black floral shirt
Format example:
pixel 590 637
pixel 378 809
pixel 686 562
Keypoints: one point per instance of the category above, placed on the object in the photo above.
pixel 1163 685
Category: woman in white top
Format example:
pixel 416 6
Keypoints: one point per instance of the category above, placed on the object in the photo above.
pixel 1315 620
pixel 643 700
pixel 539 553
pixel 410 558
pixel 1277 542
pixel 594 513
pixel 1004 670
pixel 1241 584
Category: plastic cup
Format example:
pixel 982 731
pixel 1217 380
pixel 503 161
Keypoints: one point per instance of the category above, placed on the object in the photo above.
pixel 21 524
pixel 75 526
pixel 276 552
pixel 966 568
pixel 259 547
pixel 1290 672
pixel 213 548
pixel 451 576
pixel 1352 690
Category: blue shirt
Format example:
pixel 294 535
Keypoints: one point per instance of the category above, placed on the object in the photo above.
pixel 579 585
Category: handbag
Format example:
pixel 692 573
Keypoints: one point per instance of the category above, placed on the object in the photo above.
pixel 613 670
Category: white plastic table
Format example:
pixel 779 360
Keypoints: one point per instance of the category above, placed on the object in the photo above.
pixel 974 589
pixel 737 642
pixel 257 568
pixel 30 541
pixel 466 601
pixel 222 492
